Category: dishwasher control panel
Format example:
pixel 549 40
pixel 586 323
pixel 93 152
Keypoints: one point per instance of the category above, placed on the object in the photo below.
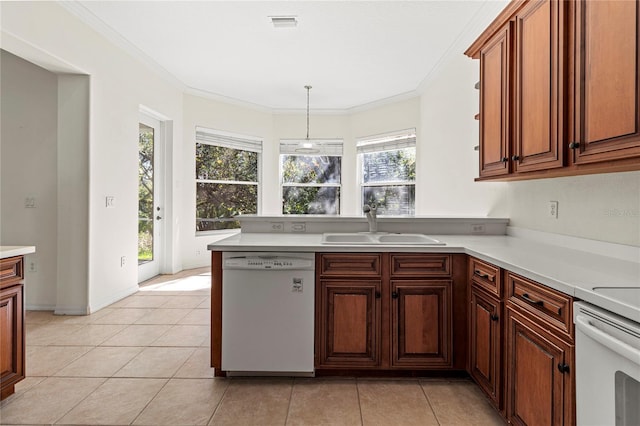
pixel 305 261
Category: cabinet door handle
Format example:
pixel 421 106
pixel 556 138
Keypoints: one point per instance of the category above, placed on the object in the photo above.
pixel 526 297
pixel 563 368
pixel 494 317
pixel 505 159
pixel 515 158
pixel 377 295
pixel 574 145
pixel 480 274
pixel 394 295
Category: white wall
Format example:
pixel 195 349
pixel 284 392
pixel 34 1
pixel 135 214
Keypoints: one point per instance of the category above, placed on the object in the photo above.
pixel 28 151
pixel 602 207
pixel 448 162
pixel 120 84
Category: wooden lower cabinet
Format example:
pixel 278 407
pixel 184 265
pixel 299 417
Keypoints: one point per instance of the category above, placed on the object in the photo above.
pixel 399 313
pixel 349 323
pixel 485 343
pixel 12 355
pixel 421 323
pixel 539 369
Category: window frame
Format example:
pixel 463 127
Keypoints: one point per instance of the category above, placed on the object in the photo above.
pixel 392 141
pixel 297 147
pixel 231 141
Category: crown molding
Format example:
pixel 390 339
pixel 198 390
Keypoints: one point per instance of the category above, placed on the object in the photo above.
pixel 476 25
pixel 98 25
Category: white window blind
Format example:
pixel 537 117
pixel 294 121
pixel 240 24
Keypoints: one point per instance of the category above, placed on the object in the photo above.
pixel 387 142
pixel 228 140
pixel 327 147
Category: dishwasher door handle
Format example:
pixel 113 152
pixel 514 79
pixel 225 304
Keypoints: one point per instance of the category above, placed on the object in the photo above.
pixel 618 346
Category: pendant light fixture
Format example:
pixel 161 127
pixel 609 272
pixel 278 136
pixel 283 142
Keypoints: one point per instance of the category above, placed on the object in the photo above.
pixel 306 146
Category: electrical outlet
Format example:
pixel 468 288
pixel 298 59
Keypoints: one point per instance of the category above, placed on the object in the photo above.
pixel 277 226
pixel 30 203
pixel 198 252
pixel 553 209
pixel 33 266
pixel 110 201
pixel 299 227
pixel 123 261
pixel 477 228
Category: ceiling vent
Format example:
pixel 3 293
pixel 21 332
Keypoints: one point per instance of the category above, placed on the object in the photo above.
pixel 284 21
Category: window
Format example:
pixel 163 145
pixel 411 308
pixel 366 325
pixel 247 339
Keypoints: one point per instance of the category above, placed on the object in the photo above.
pixel 227 178
pixel 387 172
pixel 310 176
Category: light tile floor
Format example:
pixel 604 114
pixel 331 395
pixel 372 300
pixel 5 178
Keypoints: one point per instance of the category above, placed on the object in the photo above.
pixel 145 361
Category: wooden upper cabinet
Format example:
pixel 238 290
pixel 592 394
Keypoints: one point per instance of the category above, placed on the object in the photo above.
pixel 538 84
pixel 494 105
pixel 606 81
pixel 559 89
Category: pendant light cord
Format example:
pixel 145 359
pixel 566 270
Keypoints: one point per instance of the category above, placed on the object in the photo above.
pixel 308 88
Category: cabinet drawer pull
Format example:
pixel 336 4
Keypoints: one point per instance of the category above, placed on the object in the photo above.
pixel 563 368
pixel 481 275
pixel 494 317
pixel 526 297
pixel 574 145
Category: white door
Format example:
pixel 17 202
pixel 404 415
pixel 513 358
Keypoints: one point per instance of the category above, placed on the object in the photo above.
pixel 150 190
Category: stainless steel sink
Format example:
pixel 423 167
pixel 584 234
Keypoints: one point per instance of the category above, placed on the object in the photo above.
pixel 360 238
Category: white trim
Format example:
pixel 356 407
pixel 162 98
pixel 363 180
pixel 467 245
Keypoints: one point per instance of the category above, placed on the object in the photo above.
pixel 77 9
pixel 227 182
pixel 228 139
pixel 325 147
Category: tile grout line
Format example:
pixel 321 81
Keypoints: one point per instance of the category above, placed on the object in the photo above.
pixel 219 402
pixel 286 418
pixel 435 415
pixel 81 401
pixel 359 403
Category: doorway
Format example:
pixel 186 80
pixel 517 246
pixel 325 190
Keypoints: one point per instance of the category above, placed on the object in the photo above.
pixel 150 210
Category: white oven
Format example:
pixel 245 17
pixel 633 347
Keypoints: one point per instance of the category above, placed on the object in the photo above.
pixel 607 368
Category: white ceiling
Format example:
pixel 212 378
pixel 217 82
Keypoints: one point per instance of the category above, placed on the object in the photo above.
pixel 353 53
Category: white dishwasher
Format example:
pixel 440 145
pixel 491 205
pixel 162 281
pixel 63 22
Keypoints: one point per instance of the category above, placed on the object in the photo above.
pixel 268 313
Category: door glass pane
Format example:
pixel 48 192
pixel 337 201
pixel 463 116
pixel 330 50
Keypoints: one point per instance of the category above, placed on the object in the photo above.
pixel 145 194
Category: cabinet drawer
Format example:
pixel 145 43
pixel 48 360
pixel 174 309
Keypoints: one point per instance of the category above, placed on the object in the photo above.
pixel 11 271
pixel 486 276
pixel 344 264
pixel 544 303
pixel 420 265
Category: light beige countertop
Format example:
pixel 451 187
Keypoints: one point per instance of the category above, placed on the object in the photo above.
pixel 569 270
pixel 12 251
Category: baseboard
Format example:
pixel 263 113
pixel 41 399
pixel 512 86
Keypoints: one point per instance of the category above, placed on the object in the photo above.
pixel 113 299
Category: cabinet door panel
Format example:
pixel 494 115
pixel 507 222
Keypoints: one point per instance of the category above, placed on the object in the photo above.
pixel 485 341
pixel 421 325
pixel 538 392
pixel 607 80
pixel 11 339
pixel 349 323
pixel 349 327
pixel 494 105
pixel 537 135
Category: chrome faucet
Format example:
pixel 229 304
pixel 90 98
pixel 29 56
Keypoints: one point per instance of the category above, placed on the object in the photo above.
pixel 371 210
